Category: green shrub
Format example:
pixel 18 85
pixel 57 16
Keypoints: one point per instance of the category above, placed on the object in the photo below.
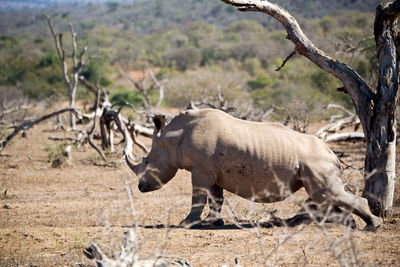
pixel 245 26
pixel 122 97
pixel 183 58
pixel 56 154
pixel 50 59
pixel 96 71
pixel 252 66
pixel 259 83
pixel 8 41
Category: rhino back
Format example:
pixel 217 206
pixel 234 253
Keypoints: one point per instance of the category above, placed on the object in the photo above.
pixel 214 134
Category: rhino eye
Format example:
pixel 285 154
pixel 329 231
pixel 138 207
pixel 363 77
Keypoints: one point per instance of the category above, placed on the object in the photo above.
pixel 146 161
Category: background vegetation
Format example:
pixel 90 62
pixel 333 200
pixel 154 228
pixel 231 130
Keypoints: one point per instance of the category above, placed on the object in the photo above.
pixel 196 45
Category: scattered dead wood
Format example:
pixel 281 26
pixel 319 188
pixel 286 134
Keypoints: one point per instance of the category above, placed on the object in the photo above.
pixel 111 165
pixel 145 86
pixel 207 102
pixel 141 130
pixel 347 136
pixel 13 102
pixel 340 122
pixel 111 120
pixel 108 120
pixel 5 112
pixel 71 139
pixel 28 124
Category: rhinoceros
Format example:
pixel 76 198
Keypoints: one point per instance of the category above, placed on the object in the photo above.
pixel 262 162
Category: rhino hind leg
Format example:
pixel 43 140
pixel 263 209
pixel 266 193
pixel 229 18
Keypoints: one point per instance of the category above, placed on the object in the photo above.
pixel 324 185
pixel 336 195
pixel 215 200
pixel 357 205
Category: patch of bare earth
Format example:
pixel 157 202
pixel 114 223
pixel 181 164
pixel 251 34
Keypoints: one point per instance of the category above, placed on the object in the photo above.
pixel 48 215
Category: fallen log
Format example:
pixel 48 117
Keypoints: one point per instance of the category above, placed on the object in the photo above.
pixel 323 132
pixel 347 136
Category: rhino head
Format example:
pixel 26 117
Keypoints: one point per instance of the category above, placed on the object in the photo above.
pixel 156 169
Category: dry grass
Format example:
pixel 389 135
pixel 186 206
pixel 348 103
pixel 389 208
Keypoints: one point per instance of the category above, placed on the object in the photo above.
pixel 55 212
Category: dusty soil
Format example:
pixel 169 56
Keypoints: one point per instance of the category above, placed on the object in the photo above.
pixel 49 215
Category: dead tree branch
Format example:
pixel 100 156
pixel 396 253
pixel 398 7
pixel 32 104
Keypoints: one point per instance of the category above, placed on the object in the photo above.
pixel 347 136
pixel 109 117
pixel 333 127
pixel 222 102
pixel 160 87
pixel 285 61
pixel 145 86
pixel 6 112
pixel 141 87
pixel 28 124
pixel 90 132
pixel 71 81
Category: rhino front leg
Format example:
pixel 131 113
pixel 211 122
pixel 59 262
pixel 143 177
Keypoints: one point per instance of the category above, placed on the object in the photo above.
pixel 202 183
pixel 215 200
pixel 199 200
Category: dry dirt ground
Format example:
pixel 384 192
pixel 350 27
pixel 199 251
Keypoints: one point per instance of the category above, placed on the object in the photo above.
pixel 49 215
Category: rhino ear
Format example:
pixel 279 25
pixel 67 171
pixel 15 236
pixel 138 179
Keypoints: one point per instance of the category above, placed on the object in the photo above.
pixel 159 122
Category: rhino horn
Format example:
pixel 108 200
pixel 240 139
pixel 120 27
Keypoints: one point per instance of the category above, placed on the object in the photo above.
pixel 131 164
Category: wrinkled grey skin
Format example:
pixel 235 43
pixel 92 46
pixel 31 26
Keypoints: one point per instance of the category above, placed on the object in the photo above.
pixel 263 162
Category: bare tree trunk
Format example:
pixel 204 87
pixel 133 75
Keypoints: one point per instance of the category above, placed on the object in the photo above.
pixel 380 164
pixel 77 65
pixel 72 122
pixel 376 110
pixel 380 159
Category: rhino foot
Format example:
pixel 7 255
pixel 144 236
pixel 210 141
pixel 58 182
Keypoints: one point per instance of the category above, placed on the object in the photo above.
pixel 206 223
pixel 374 225
pixel 188 223
pixel 195 225
pixel 200 224
pixel 214 222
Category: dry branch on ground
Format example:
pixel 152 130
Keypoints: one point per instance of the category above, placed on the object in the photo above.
pixel 28 124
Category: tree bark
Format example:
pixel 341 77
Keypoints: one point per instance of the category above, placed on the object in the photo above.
pixel 376 110
pixel 380 159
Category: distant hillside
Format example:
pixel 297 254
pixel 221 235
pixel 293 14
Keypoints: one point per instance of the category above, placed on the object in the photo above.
pixel 197 45
pixel 149 16
pixel 318 8
pixel 40 4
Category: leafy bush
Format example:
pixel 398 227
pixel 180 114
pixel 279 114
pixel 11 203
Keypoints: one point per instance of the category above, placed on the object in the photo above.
pixel 183 58
pixel 121 97
pixel 56 155
pixel 245 26
pixel 8 41
pixel 96 71
pixel 50 59
pixel 259 83
pixel 252 66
